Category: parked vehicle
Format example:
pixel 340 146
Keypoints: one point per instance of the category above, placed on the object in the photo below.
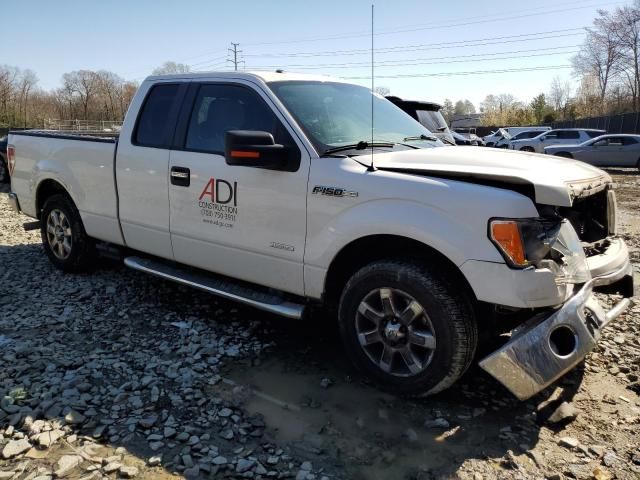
pixel 614 150
pixel 470 134
pixel 461 139
pixel 428 114
pixel 506 140
pixel 4 171
pixel 266 188
pixel 492 139
pixel 555 137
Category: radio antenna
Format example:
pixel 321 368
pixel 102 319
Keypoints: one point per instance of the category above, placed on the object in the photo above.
pixel 371 167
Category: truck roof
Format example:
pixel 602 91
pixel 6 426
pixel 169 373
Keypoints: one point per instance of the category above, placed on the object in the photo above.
pixel 264 76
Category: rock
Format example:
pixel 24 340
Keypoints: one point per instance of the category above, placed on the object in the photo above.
pixel 272 460
pixel 148 422
pixel 128 472
pixel 74 418
pixel 154 461
pixel 411 435
pixel 7 475
pixel 193 472
pixel 182 437
pixel 219 460
pixel 15 447
pixel 437 423
pixel 600 473
pixel 169 432
pixel 244 465
pixel 112 467
pixel 46 439
pixel 568 442
pixel 326 382
pixel 610 458
pixel 187 461
pixel 66 464
pixel 565 413
pixel 225 412
pixel 156 445
pixel 308 466
pixel 227 434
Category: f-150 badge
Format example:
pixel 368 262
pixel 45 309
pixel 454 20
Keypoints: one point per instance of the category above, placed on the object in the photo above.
pixel 333 191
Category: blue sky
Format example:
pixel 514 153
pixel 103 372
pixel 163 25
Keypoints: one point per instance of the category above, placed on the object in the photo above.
pixel 131 38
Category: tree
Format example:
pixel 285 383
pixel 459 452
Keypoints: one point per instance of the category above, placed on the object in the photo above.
pixel 448 110
pixel 469 107
pixel 172 67
pixel 538 107
pixel 84 84
pixel 559 94
pixel 384 91
pixel 464 107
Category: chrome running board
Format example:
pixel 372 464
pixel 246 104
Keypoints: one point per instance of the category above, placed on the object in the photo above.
pixel 222 287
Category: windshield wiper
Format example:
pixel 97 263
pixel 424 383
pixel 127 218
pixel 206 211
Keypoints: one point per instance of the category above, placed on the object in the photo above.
pixel 421 137
pixel 361 145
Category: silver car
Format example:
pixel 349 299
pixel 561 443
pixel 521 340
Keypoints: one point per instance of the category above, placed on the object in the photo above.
pixel 613 150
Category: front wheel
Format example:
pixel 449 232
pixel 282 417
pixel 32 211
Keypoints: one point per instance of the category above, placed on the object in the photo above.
pixel 407 327
pixel 64 239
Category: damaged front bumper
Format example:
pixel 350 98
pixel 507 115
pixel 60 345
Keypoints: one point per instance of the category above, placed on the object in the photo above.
pixel 546 347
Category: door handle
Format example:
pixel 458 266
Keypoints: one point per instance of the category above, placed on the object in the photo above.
pixel 180 176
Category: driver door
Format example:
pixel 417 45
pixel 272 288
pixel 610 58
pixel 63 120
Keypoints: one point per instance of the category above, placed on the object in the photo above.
pixel 241 221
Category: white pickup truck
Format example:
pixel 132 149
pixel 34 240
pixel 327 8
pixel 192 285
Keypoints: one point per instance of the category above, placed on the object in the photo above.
pixel 273 190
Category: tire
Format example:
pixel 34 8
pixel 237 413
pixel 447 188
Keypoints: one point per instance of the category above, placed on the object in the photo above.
pixel 563 155
pixel 490 144
pixel 527 149
pixel 4 170
pixel 64 238
pixel 442 317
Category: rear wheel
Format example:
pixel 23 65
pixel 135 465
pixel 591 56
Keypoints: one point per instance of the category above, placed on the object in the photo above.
pixel 64 239
pixel 407 327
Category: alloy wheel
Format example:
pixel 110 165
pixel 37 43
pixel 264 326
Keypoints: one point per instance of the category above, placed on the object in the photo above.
pixel 59 234
pixel 395 332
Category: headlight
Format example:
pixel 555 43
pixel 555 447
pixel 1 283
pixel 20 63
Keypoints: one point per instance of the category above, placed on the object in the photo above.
pixel 523 242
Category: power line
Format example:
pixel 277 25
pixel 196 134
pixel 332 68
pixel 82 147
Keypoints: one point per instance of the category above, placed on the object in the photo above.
pixel 432 46
pixel 473 72
pixel 427 60
pixel 434 26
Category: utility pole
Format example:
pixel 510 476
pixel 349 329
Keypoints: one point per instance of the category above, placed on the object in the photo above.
pixel 234 51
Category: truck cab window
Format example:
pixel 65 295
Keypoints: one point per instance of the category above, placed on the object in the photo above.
pixel 220 108
pixel 154 123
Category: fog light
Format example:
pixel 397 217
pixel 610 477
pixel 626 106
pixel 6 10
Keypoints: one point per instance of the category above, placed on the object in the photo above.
pixel 563 341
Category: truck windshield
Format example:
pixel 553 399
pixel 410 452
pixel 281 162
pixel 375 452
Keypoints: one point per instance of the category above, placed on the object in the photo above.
pixel 334 114
pixel 433 120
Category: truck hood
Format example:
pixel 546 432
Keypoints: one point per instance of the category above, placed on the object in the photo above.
pixel 551 180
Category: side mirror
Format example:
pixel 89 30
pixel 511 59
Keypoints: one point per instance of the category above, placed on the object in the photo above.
pixel 251 148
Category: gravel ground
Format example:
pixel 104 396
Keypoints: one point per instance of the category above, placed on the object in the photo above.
pixel 116 374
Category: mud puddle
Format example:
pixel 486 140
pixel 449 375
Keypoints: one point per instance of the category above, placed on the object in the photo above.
pixel 366 433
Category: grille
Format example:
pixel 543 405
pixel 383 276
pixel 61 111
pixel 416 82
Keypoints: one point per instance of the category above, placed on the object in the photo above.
pixel 588 216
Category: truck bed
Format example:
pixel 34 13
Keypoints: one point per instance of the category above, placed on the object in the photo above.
pixel 82 163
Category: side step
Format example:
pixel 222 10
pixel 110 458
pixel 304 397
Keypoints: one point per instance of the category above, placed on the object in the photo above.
pixel 225 288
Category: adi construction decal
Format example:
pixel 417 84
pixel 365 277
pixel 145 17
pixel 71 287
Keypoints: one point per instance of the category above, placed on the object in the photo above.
pixel 218 203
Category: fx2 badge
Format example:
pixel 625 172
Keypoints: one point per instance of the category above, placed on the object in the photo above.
pixel 333 191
